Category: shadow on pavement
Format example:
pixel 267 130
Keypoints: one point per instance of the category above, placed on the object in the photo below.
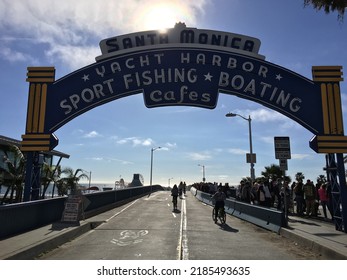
pixel 228 228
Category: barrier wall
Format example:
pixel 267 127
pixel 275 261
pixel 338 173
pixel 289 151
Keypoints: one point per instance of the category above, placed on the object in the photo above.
pixel 268 218
pixel 20 217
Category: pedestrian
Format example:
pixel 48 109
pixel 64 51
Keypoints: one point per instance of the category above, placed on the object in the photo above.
pixel 268 197
pixel 285 196
pixel 277 191
pixel 310 192
pixel 324 200
pixel 261 194
pixel 246 195
pixel 299 197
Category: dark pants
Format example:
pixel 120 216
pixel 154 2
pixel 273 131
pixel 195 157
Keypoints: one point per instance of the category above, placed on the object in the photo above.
pixel 299 204
pixel 174 201
pixel 219 204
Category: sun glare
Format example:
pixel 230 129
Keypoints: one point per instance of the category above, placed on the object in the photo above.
pixel 161 16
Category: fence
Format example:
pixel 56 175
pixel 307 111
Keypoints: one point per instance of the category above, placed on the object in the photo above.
pixel 268 218
pixel 20 217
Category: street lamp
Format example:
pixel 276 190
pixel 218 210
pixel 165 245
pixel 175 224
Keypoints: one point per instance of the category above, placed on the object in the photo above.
pixel 203 172
pixel 252 157
pixel 152 150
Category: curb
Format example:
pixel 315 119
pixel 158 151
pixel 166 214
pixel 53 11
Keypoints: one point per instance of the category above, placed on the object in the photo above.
pixel 51 243
pixel 312 245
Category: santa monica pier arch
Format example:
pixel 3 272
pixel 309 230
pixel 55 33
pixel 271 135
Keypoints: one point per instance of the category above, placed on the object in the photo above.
pixel 191 67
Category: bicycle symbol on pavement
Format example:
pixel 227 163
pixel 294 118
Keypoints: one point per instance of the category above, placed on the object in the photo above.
pixel 129 237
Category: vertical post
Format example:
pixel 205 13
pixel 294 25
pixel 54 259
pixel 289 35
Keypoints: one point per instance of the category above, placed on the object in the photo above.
pixel 36 139
pixel 333 140
pixel 203 172
pixel 150 180
pixel 152 150
pixel 251 149
pixel 343 189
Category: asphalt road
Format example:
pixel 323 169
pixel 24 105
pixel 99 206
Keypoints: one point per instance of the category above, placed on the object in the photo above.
pixel 147 229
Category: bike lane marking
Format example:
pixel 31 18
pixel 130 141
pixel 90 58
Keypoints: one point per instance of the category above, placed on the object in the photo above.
pixel 183 253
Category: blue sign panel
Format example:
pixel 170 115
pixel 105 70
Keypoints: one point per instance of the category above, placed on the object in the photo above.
pixel 191 76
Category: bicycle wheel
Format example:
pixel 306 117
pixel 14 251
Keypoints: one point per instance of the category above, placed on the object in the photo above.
pixel 222 216
pixel 213 213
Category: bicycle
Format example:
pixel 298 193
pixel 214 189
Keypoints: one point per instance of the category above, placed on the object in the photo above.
pixel 222 216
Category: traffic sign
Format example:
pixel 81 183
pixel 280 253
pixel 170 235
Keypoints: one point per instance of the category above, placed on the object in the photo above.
pixel 251 158
pixel 282 148
pixel 283 164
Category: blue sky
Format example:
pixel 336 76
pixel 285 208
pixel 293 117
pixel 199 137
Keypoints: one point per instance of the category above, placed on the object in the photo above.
pixel 115 140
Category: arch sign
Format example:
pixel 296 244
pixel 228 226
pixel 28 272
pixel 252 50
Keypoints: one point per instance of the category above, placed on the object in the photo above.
pixel 185 67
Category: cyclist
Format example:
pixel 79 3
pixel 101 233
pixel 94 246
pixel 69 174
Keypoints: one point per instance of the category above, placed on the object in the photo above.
pixel 219 198
pixel 174 194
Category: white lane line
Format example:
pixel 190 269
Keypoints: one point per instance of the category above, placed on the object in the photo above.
pixel 131 204
pixel 185 252
pixel 182 247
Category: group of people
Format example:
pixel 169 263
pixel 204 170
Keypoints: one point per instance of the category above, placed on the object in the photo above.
pixel 219 195
pixel 178 192
pixel 308 197
pixel 263 193
pixel 277 193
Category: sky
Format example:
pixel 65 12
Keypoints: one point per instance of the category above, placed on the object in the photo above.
pixel 114 140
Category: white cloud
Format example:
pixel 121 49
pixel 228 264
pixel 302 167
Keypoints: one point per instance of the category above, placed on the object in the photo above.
pixel 16 56
pixel 92 134
pixel 237 151
pixel 199 156
pixel 124 162
pixel 171 145
pixel 136 141
pixel 72 29
pixel 266 115
pixel 300 156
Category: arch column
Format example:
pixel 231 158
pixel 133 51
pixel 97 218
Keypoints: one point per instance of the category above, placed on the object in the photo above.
pixel 333 142
pixel 36 139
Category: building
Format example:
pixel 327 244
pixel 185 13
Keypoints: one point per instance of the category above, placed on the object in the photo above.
pixel 6 154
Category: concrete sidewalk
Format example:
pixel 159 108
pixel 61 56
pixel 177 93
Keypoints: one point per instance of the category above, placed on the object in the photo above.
pixel 318 235
pixel 314 233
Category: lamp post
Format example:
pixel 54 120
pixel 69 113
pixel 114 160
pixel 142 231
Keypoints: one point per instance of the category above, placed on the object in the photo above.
pixel 252 157
pixel 203 172
pixel 152 150
pixel 169 181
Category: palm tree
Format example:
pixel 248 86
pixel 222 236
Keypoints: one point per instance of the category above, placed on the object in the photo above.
pixel 299 176
pixel 321 179
pixel 70 181
pixel 14 173
pixel 329 6
pixel 50 173
pixel 272 172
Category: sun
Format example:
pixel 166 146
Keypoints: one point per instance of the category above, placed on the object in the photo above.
pixel 161 16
